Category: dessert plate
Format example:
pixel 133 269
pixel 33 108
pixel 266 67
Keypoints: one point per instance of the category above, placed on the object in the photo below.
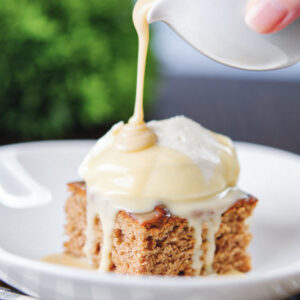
pixel 30 231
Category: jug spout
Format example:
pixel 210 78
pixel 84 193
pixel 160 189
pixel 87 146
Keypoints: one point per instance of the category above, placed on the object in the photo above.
pixel 217 29
pixel 158 12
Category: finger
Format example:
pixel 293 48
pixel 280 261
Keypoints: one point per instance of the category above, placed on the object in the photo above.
pixel 269 16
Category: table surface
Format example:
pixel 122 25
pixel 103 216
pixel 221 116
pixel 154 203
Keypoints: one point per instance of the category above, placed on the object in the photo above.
pixel 253 111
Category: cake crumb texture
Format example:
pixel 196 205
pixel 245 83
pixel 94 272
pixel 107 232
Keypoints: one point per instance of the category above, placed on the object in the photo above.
pixel 162 244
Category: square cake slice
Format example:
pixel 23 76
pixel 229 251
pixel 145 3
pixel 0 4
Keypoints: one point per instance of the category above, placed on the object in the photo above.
pixel 159 243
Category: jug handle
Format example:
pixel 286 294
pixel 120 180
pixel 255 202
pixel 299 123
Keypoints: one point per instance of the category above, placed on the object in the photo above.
pixel 17 188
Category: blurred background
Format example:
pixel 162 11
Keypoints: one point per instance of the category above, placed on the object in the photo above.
pixel 68 70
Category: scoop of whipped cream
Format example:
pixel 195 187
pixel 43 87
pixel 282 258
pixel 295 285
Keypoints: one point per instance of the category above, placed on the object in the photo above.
pixel 208 150
pixel 188 162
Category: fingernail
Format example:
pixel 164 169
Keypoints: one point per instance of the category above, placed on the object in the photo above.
pixel 265 15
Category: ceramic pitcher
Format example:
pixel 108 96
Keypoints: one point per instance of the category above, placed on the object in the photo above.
pixel 217 29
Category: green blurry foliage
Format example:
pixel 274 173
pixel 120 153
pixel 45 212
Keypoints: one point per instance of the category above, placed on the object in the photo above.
pixel 66 64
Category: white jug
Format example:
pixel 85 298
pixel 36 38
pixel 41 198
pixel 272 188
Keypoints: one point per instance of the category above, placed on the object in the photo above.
pixel 217 29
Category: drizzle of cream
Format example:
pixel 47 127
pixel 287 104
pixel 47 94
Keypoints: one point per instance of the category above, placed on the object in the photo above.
pixel 207 212
pixel 197 262
pixel 213 227
pixel 102 208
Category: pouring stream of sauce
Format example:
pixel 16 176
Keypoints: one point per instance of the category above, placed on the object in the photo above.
pixel 136 135
pixel 134 167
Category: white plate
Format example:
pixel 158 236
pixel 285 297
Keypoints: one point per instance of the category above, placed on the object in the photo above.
pixel 26 234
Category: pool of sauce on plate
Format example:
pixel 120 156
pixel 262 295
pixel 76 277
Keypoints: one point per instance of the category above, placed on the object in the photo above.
pixel 68 261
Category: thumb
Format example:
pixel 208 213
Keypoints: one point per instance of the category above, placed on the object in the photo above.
pixel 269 16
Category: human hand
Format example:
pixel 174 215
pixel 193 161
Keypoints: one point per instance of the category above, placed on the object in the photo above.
pixel 269 16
